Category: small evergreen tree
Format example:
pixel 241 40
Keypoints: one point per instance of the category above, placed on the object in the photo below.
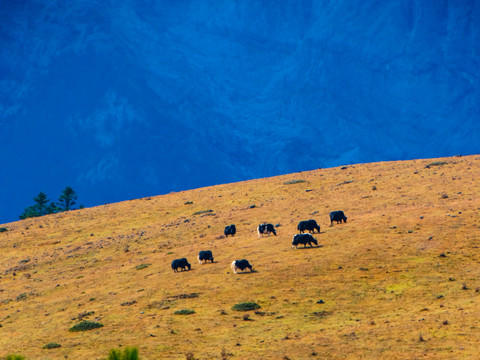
pixel 29 212
pixel 67 199
pixel 44 206
pixel 40 208
pixel 41 205
pixel 53 208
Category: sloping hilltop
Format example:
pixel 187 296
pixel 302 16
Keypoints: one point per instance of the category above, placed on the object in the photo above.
pixel 399 280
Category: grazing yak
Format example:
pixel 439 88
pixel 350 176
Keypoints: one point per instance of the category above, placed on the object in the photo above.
pixel 241 265
pixel 230 230
pixel 266 229
pixel 309 225
pixel 180 264
pixel 205 256
pixel 303 239
pixel 337 216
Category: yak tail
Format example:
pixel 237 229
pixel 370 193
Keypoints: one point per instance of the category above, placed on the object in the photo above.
pixel 234 266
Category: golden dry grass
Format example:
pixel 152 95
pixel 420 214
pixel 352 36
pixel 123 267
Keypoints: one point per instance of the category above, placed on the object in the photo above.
pixel 400 280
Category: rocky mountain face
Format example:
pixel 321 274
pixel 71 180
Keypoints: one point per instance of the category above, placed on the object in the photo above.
pixel 125 99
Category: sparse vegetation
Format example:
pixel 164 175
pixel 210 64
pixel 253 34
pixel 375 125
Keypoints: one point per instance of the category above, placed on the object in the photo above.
pixel 52 345
pixel 245 306
pixel 85 325
pixel 3 229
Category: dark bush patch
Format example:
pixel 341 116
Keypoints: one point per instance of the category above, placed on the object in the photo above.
pixel 162 305
pixel 85 325
pixel 22 296
pixel 184 312
pixel 436 163
pixel 298 181
pixel 51 345
pixel 245 306
pixel 3 229
pixel 189 356
pixel 224 355
pixel 203 212
pixel 345 182
pixel 185 296
pixel 142 266
pixel 128 303
pixel 321 314
pixel 246 317
pixel 83 315
pixel 188 203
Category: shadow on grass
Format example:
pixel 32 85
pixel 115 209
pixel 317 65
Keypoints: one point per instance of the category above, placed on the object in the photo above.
pixel 308 247
pixel 183 271
pixel 245 272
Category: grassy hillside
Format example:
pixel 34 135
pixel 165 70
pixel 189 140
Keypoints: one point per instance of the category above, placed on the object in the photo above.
pixel 399 280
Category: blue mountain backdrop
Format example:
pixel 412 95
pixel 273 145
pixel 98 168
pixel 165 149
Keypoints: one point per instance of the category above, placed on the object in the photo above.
pixel 130 98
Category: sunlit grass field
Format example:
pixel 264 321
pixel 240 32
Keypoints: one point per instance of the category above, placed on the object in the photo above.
pixel 399 280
